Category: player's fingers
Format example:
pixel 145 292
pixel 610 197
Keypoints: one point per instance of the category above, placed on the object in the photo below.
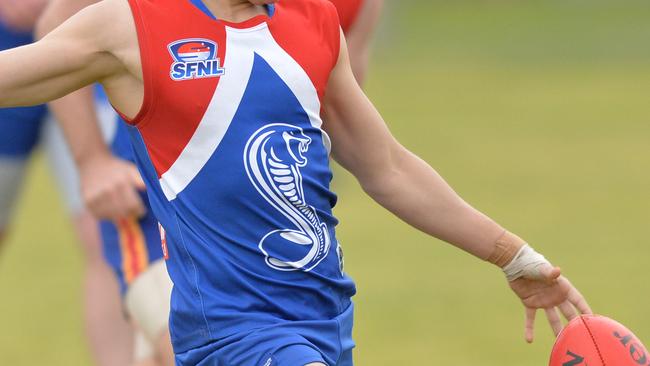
pixel 102 209
pixel 92 207
pixel 139 210
pixel 122 203
pixel 530 324
pixel 568 310
pixel 133 206
pixel 554 320
pixel 136 178
pixel 99 202
pixel 576 298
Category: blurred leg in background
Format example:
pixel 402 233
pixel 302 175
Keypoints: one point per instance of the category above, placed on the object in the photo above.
pixel 147 301
pixel 21 127
pixel 134 251
pixel 12 171
pixel 131 245
pixel 108 333
pixel 128 251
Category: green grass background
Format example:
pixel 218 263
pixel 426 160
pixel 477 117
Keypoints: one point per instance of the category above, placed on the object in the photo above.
pixel 537 112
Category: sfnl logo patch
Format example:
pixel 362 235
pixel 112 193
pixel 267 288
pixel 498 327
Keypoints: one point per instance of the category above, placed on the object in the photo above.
pixel 194 58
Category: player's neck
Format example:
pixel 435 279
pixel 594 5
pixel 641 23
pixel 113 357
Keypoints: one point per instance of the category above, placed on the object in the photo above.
pixel 234 10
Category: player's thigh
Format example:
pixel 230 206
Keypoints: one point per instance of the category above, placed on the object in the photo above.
pixel 148 299
pixel 165 351
pixel 11 176
pixel 144 353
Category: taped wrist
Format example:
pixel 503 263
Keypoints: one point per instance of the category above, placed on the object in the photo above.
pixel 526 263
pixel 505 249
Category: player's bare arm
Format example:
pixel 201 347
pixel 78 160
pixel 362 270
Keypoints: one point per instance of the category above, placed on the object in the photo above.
pixel 361 143
pixel 109 185
pixel 96 44
pixel 412 190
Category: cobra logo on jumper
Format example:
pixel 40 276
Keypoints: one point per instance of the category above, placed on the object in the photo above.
pixel 273 157
pixel 194 58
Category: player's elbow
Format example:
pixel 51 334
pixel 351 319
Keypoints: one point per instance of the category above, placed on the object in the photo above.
pixel 384 178
pixel 381 187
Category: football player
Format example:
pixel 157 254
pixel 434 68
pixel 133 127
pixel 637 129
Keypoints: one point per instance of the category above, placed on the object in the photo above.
pixel 234 108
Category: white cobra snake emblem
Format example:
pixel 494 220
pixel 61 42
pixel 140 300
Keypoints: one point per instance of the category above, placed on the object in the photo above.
pixel 273 157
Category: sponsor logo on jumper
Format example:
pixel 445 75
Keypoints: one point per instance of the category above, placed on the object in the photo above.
pixel 194 58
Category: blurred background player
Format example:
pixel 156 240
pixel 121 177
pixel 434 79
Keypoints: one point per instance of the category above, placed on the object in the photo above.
pixel 505 95
pixel 131 238
pixel 125 242
pixel 118 197
pixel 360 144
pixel 130 246
pixel 107 333
pixel 21 125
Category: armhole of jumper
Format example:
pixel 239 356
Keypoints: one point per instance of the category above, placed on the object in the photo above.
pixel 336 34
pixel 141 118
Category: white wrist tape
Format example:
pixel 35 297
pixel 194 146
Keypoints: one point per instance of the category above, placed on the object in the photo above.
pixel 525 264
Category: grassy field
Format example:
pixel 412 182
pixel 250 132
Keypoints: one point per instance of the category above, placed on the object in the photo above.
pixel 537 113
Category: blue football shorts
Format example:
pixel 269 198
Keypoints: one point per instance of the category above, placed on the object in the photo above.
pixel 290 343
pixel 130 246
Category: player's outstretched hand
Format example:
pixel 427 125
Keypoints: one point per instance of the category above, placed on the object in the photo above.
pixel 110 188
pixel 545 288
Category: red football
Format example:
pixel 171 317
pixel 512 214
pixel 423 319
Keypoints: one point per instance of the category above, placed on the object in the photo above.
pixel 594 340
